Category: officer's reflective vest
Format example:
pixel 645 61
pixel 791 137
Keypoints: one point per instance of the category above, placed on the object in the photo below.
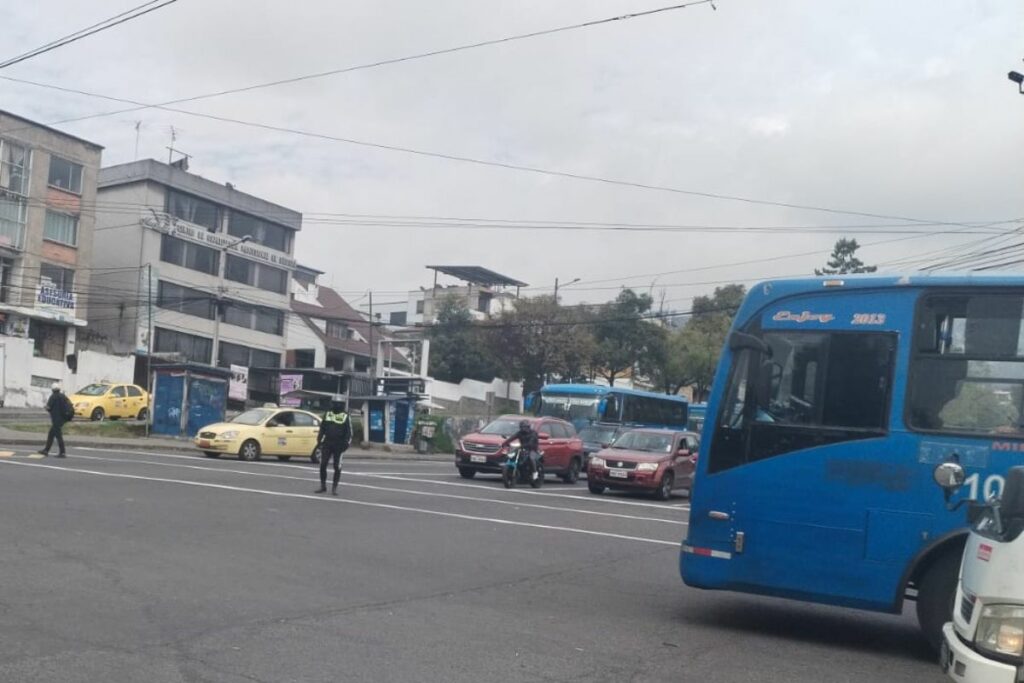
pixel 340 418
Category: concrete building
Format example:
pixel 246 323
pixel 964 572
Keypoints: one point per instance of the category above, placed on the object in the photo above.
pixel 47 195
pixel 220 260
pixel 484 292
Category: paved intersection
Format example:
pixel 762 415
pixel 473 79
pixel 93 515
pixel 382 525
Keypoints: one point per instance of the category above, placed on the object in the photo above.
pixel 171 567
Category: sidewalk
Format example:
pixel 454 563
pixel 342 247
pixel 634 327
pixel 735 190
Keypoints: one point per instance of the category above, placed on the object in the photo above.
pixel 9 437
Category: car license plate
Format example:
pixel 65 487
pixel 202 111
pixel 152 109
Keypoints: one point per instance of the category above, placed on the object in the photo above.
pixel 478 458
pixel 618 474
pixel 204 444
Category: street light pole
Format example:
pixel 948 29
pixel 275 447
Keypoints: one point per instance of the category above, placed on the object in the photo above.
pixel 574 281
pixel 221 264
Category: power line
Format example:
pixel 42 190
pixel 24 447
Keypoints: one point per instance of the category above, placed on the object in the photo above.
pixel 489 163
pixel 87 31
pixel 398 60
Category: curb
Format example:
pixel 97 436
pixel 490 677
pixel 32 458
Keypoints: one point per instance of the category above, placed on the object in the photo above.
pixel 174 448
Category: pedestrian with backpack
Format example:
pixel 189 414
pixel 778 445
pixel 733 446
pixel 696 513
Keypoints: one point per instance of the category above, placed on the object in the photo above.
pixel 61 411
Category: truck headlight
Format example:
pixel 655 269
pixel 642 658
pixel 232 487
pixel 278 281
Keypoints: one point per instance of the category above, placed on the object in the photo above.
pixel 1001 630
pixel 597 462
pixel 647 467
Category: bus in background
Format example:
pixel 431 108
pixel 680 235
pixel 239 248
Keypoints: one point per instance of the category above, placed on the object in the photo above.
pixel 585 404
pixel 697 413
pixel 833 401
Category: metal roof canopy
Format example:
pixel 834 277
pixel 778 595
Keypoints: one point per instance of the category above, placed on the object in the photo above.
pixel 478 275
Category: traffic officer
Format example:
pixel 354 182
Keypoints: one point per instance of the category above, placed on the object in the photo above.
pixel 333 440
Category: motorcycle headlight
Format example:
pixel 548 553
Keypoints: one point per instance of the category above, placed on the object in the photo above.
pixel 647 467
pixel 227 436
pixel 1001 631
pixel 597 462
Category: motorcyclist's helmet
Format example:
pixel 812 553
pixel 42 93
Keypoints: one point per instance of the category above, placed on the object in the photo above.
pixel 524 425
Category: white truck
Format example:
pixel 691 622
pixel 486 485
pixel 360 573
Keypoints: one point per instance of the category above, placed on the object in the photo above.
pixel 984 642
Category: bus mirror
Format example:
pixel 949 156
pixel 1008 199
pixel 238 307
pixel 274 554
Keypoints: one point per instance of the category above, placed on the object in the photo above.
pixel 741 340
pixel 949 476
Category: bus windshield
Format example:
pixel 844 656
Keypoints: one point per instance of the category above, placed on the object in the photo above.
pixel 568 407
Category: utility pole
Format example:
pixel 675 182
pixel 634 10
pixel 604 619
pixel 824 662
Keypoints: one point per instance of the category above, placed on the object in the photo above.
pixel 572 282
pixel 373 356
pixel 221 264
pixel 149 344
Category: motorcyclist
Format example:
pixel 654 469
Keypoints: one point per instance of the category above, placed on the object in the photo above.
pixel 529 442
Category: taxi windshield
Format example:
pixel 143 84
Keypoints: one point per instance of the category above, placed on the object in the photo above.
pixel 253 417
pixel 94 390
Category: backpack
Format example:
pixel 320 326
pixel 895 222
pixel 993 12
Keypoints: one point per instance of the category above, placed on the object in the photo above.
pixel 69 410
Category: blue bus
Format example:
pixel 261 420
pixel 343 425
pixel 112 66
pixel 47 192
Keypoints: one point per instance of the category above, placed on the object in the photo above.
pixel 832 403
pixel 585 404
pixel 698 411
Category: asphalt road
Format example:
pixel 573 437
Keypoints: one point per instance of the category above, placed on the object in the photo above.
pixel 158 568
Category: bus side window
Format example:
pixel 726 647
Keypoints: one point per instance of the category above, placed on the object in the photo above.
pixel 611 409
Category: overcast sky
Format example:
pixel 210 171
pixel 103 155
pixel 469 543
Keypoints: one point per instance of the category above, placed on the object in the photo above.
pixel 872 106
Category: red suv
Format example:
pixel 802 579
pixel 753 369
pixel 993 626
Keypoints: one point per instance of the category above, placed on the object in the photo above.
pixel 482 451
pixel 653 460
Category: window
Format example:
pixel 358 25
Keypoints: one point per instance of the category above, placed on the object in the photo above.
pixel 14 168
pixel 65 175
pixel 189 255
pixel 269 320
pixel 419 307
pixel 43 382
pixel 257 318
pixel 119 392
pixel 238 269
pixel 13 212
pixel 236 354
pixel 816 388
pixel 6 269
pixel 49 341
pixel 184 300
pixel 194 210
pixel 305 358
pixel 61 227
pixel 134 392
pixel 967 374
pixel 56 277
pixel 303 420
pixel 397 318
pixel 238 314
pixel 268 234
pixel 193 348
pixel 337 330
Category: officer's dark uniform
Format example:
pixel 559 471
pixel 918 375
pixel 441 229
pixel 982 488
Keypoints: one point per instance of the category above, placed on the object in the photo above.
pixel 333 440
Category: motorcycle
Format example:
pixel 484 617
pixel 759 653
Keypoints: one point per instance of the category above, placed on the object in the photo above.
pixel 516 468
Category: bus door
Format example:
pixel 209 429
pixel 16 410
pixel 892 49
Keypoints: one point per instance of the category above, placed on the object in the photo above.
pixel 796 453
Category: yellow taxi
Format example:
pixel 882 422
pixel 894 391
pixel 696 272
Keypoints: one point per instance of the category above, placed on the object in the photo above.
pixel 100 401
pixel 280 432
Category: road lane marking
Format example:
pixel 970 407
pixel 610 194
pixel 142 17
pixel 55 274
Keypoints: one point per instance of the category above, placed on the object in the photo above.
pixel 580 496
pixel 389 489
pixel 335 499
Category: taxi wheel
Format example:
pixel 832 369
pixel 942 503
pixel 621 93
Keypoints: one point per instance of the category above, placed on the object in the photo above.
pixel 98 415
pixel 250 450
pixel 284 458
pixel 315 457
pixel 143 414
pixel 664 491
pixel 211 454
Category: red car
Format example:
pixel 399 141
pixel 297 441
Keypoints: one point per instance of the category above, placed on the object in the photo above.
pixel 482 451
pixel 657 461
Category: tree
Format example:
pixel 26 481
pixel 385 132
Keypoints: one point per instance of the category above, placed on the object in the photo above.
pixel 669 370
pixel 538 340
pixel 844 260
pixel 458 349
pixel 624 338
pixel 700 342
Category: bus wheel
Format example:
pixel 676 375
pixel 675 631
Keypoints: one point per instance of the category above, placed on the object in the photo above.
pixel 935 595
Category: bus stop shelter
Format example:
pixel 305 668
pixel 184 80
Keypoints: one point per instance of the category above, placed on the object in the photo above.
pixel 187 397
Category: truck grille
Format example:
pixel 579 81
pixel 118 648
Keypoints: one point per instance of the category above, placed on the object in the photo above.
pixel 471 447
pixel 967 607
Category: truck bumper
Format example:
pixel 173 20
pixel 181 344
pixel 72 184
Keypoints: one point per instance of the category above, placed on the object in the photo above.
pixel 963 664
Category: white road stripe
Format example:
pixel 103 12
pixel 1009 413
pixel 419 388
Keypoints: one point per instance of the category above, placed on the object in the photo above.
pixel 334 499
pixel 388 489
pixel 528 492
